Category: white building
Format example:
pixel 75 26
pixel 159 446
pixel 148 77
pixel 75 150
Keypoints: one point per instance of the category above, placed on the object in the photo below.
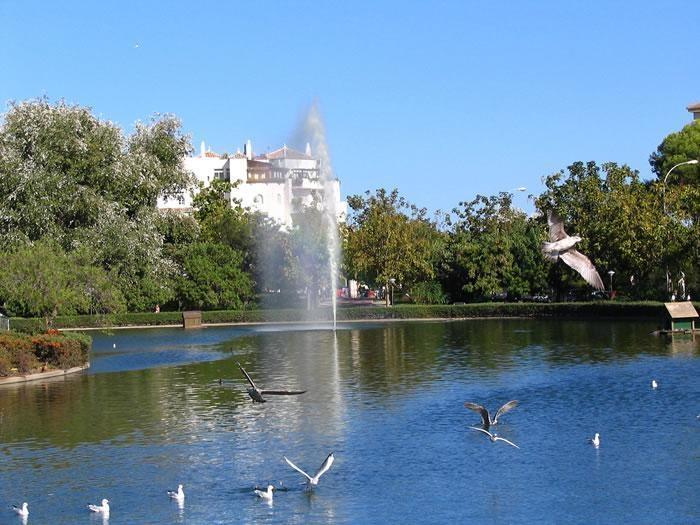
pixel 278 183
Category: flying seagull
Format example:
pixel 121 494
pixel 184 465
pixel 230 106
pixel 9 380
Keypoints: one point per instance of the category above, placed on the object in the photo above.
pixel 494 437
pixel 561 246
pixel 104 508
pixel 22 511
pixel 178 494
pixel 486 420
pixel 595 440
pixel 257 394
pixel 266 495
pixel 313 481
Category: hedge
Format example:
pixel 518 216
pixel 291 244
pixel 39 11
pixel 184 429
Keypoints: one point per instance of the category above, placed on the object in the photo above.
pixel 598 309
pixel 23 354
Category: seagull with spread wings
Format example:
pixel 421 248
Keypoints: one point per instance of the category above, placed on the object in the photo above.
pixel 256 394
pixel 313 481
pixel 561 246
pixel 494 437
pixel 486 420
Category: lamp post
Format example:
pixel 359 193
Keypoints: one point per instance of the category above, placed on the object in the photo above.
pixel 694 161
pixel 611 273
pixel 392 282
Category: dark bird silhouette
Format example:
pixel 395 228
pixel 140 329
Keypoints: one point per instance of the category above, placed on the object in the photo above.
pixel 486 420
pixel 256 394
pixel 561 246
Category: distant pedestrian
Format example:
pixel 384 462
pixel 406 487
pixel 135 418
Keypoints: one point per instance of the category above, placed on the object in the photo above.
pixel 157 309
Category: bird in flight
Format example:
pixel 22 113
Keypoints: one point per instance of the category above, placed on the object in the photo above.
pixel 561 246
pixel 256 394
pixel 494 437
pixel 313 481
pixel 486 420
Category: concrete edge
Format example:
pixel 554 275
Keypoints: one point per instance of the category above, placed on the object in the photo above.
pixel 42 375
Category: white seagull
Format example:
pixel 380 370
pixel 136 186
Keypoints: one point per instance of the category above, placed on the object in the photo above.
pixel 265 494
pixel 178 494
pixel 595 440
pixel 654 384
pixel 104 508
pixel 313 481
pixel 486 420
pixel 22 511
pixel 561 246
pixel 495 437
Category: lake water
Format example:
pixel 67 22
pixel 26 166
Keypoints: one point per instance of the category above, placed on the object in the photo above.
pixel 387 399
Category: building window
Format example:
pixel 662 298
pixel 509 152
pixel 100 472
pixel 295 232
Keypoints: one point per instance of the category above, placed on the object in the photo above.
pixel 181 200
pixel 279 199
pixel 258 200
pixel 218 174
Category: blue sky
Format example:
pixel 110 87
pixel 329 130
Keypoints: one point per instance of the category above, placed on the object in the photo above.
pixel 443 100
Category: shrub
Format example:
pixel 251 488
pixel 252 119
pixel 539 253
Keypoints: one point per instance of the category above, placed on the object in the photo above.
pixel 5 362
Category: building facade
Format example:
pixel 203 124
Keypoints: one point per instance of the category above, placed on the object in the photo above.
pixel 278 183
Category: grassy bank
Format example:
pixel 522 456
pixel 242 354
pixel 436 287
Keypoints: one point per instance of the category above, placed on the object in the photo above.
pixel 22 353
pixel 599 309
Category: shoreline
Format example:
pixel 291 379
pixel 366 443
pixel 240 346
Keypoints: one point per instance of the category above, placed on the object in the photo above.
pixel 25 378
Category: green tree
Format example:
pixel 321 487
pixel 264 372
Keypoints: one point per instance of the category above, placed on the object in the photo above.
pixel 212 277
pixel 678 147
pixel 387 239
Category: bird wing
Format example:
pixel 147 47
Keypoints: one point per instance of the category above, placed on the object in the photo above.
pixel 282 392
pixel 485 418
pixel 247 376
pixel 297 468
pixel 556 227
pixel 482 430
pixel 498 438
pixel 510 405
pixel 584 266
pixel 94 508
pixel 325 465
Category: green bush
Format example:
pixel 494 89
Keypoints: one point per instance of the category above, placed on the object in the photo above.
pixel 5 362
pixel 27 353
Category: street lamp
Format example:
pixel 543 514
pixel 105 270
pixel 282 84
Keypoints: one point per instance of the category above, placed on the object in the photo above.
pixel 611 273
pixel 392 282
pixel 694 161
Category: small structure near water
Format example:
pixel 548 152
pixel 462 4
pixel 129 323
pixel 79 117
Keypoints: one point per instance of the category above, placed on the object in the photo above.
pixel 4 322
pixel 192 319
pixel 681 317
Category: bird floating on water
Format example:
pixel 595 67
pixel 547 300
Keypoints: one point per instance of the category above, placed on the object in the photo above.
pixel 313 481
pixel 494 437
pixel 256 394
pixel 104 508
pixel 654 384
pixel 22 511
pixel 561 246
pixel 486 420
pixel 595 440
pixel 265 494
pixel 178 494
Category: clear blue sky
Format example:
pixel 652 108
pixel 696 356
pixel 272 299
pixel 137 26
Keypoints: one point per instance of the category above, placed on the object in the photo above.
pixel 443 100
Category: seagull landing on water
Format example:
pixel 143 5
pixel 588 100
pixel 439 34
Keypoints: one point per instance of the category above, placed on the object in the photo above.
pixel 486 420
pixel 313 481
pixel 104 508
pixel 654 384
pixel 595 440
pixel 22 511
pixel 561 246
pixel 257 394
pixel 494 437
pixel 178 494
pixel 265 494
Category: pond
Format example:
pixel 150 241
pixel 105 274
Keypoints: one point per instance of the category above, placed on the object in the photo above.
pixel 388 400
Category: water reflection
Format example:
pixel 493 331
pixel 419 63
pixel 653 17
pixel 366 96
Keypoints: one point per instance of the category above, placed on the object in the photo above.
pixel 386 399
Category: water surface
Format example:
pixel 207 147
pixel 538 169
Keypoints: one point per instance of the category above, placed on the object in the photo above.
pixel 387 399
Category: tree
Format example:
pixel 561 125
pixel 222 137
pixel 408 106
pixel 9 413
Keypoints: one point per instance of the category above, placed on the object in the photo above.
pixel 43 281
pixel 678 147
pixel 493 250
pixel 620 219
pixel 212 277
pixel 388 239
